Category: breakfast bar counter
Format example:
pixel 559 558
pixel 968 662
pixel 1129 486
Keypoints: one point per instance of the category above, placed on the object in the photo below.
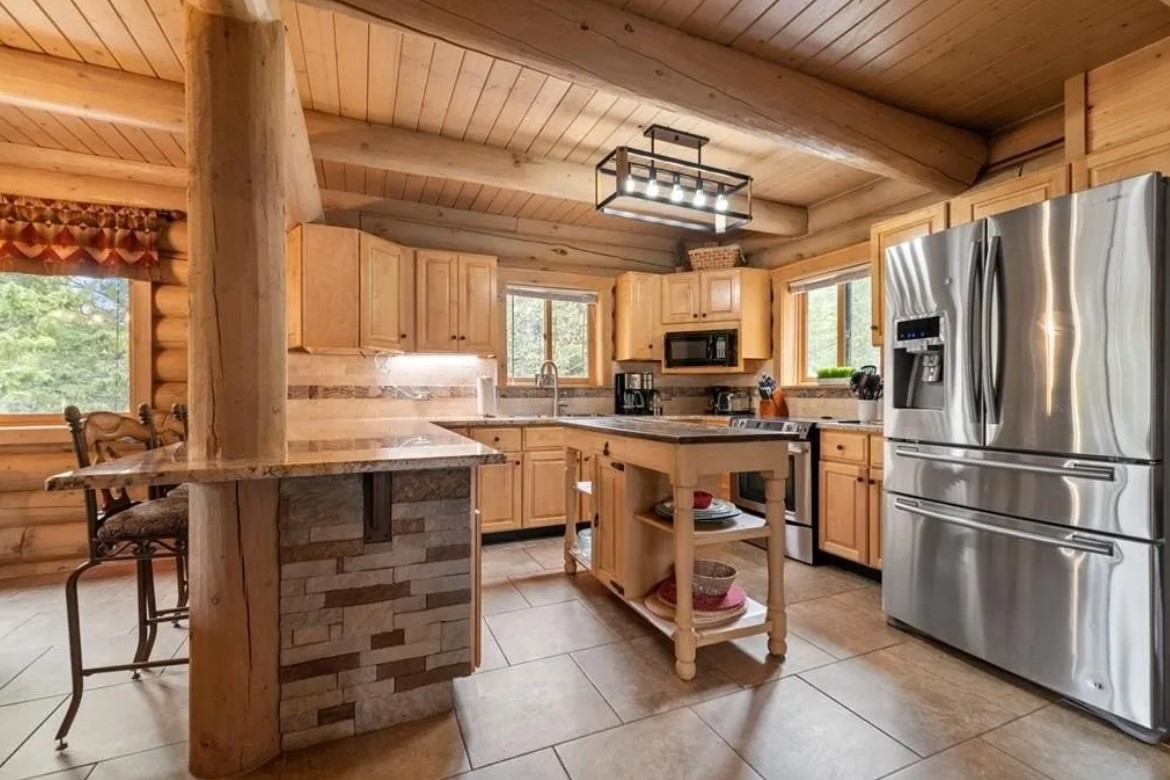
pixel 333 586
pixel 626 467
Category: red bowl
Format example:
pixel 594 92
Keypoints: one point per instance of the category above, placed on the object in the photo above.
pixel 702 499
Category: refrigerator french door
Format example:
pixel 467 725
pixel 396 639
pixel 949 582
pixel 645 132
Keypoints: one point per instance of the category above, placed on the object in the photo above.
pixel 1024 483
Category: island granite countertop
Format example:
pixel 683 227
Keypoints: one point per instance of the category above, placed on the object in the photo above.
pixel 314 448
pixel 671 431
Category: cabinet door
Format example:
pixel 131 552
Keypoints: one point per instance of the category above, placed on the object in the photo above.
pixel 1120 162
pixel 437 306
pixel 637 317
pixel 329 280
pixel 719 295
pixel 609 546
pixel 478 325
pixel 874 558
pixel 1013 194
pixel 387 295
pixel 844 494
pixel 680 298
pixel 886 234
pixel 498 495
pixel 544 488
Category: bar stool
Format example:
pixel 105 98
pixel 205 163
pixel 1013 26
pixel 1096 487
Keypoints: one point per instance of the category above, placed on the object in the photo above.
pixel 169 428
pixel 121 529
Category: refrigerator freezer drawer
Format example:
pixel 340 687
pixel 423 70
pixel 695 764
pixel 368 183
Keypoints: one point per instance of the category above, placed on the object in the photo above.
pixel 1112 498
pixel 1074 612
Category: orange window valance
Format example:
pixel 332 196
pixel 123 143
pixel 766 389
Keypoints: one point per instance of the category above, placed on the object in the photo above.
pixel 60 231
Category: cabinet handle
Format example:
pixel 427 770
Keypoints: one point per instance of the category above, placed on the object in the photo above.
pixel 401 335
pixel 495 439
pixel 462 338
pixel 840 447
pixel 860 480
pixel 704 314
pixel 873 482
pixel 605 449
pixel 696 316
pixel 452 338
pixel 873 327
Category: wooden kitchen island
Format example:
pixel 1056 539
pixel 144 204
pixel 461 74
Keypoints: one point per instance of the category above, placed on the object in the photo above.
pixel 620 467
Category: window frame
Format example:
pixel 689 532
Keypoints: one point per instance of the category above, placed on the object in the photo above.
pixel 141 349
pixel 591 353
pixel 803 372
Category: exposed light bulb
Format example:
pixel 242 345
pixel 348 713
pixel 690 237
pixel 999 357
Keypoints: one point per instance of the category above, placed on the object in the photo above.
pixel 721 200
pixel 652 185
pixel 700 198
pixel 676 192
pixel 631 183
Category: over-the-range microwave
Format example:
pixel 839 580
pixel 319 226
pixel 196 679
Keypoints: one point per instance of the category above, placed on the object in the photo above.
pixel 706 348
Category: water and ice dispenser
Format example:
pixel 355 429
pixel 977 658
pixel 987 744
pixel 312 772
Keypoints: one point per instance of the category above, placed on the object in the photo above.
pixel 919 354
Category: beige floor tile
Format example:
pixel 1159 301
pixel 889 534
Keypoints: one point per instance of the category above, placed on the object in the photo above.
pixel 541 765
pixel 508 561
pixel 490 654
pixel 166 763
pixel 549 553
pixel 839 629
pixel 617 616
pixel 541 632
pixel 49 674
pixel 867 599
pixel 76 773
pixel 555 587
pixel 18 721
pixel 926 712
pixel 427 748
pixel 788 730
pixel 802 582
pixel 151 713
pixel 513 711
pixel 637 678
pixel 741 555
pixel 974 760
pixel 49 627
pixel 673 746
pixel 1013 694
pixel 500 595
pixel 1069 745
pixel 746 661
pixel 16 661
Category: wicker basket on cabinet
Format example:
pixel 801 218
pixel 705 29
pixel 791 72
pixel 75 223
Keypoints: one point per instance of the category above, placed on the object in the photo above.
pixel 711 258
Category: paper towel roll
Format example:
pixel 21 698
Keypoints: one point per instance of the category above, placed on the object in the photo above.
pixel 485 396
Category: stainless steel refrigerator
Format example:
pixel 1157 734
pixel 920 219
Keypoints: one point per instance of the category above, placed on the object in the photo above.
pixel 1023 515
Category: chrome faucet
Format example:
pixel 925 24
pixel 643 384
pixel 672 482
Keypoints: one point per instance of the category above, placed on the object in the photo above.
pixel 549 376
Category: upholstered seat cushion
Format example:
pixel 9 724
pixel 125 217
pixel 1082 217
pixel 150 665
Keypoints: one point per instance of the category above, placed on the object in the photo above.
pixel 162 517
pixel 182 491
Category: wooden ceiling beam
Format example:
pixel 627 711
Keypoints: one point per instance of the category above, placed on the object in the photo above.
pixel 44 183
pixel 596 45
pixel 58 161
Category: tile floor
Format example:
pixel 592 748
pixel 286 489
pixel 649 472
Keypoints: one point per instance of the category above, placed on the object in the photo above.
pixel 574 685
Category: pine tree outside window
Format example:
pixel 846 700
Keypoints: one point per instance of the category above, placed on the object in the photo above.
pixel 550 324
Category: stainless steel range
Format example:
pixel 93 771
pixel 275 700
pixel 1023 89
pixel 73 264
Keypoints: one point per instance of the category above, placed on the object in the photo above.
pixel 1025 486
pixel 747 488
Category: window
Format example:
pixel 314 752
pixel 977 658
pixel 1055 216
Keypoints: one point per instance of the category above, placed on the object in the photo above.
pixel 63 340
pixel 549 324
pixel 835 316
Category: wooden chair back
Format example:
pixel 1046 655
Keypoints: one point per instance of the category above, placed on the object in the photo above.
pixel 99 437
pixel 168 427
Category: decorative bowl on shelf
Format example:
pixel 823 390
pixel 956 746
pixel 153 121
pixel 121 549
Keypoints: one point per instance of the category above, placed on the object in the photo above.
pixel 712 578
pixel 702 499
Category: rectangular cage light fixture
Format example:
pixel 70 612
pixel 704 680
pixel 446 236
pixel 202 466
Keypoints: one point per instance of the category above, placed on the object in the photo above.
pixel 654 187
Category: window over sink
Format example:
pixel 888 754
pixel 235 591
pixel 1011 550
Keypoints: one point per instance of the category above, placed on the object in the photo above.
pixel 546 323
pixel 833 319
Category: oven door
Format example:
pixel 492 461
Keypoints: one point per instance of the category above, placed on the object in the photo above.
pixel 701 348
pixel 747 487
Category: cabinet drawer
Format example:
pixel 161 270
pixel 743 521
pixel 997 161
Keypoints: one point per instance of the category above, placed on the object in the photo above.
pixel 875 451
pixel 844 446
pixel 507 439
pixel 543 437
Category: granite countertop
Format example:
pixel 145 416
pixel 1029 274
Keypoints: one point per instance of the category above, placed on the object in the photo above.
pixel 671 431
pixel 851 425
pixel 505 421
pixel 315 448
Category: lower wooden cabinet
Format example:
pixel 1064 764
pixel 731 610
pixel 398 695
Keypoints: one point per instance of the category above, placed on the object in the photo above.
pixel 498 495
pixel 874 557
pixel 544 488
pixel 610 536
pixel 844 494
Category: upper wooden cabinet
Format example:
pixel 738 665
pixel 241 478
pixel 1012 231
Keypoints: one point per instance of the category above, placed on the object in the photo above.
pixel 680 298
pixel 387 295
pixel 884 235
pixel 1120 162
pixel 719 294
pixel 637 317
pixel 456 302
pixel 1011 194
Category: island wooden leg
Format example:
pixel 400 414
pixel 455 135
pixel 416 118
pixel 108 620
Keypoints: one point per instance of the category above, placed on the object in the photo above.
pixel 777 612
pixel 572 502
pixel 684 564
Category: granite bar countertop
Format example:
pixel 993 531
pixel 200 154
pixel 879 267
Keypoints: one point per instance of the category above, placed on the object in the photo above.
pixel 850 425
pixel 671 431
pixel 505 421
pixel 315 448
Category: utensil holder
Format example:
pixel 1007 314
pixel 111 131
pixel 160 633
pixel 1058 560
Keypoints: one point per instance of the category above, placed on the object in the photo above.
pixel 867 411
pixel 768 408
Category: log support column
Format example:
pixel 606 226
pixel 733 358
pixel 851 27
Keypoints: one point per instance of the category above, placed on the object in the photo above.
pixel 236 194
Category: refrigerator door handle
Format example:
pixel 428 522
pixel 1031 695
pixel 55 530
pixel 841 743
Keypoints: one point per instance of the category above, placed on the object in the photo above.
pixel 990 331
pixel 1071 468
pixel 974 397
pixel 1073 541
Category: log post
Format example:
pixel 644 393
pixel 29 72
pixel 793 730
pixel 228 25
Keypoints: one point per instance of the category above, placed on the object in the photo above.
pixel 236 118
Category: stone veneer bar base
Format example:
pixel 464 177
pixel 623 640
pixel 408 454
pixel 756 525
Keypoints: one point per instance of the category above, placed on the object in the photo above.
pixel 372 634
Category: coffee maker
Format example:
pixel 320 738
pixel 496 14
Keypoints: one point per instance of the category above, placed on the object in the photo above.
pixel 633 393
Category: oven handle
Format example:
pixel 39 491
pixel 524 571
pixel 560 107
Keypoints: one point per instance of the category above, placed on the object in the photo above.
pixel 1071 469
pixel 1073 542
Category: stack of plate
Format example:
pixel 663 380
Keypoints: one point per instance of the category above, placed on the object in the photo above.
pixel 707 612
pixel 719 513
